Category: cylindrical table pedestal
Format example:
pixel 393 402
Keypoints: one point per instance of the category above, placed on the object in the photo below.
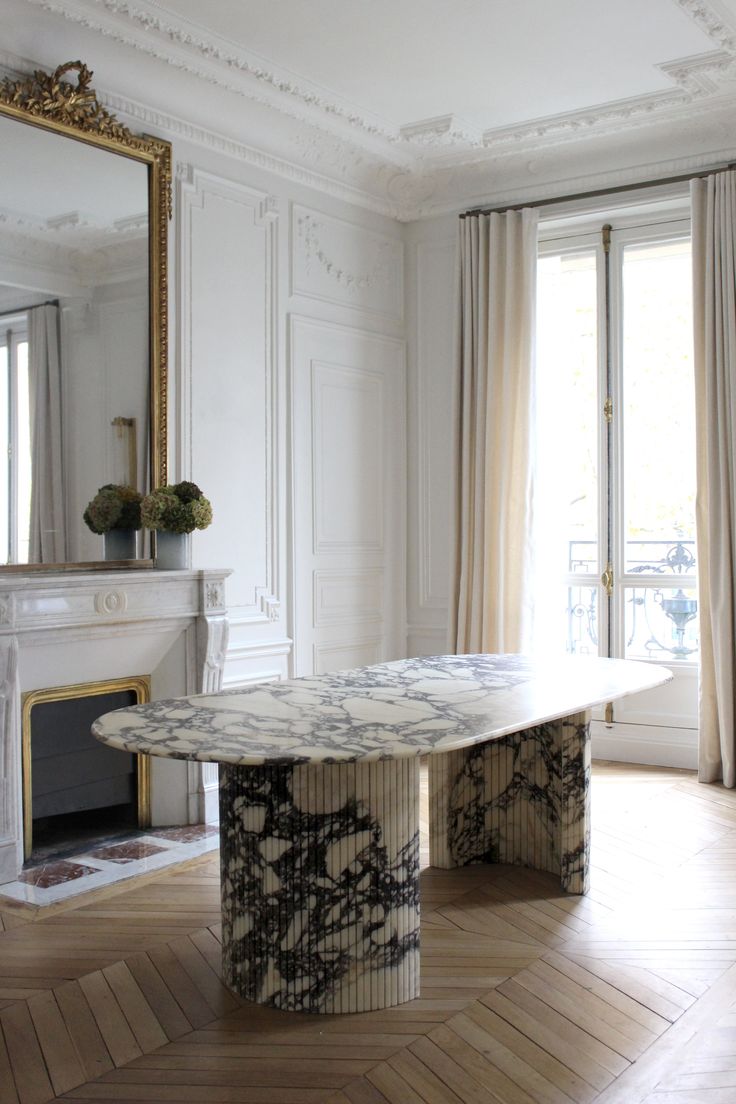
pixel 320 884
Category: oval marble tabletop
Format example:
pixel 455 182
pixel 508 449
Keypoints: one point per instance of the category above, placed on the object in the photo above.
pixel 387 711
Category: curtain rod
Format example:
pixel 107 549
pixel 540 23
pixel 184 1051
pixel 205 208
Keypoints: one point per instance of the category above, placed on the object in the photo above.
pixel 599 192
pixel 22 310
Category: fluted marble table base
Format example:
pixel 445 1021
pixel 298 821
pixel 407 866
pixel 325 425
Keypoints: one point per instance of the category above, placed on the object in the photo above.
pixel 320 863
pixel 320 884
pixel 523 799
pixel 319 804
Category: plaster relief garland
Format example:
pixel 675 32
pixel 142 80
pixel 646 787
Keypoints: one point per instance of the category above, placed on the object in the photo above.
pixel 308 230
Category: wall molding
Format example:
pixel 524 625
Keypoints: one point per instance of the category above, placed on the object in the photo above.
pixel 647 744
pixel 422 167
pixel 325 375
pixel 193 187
pixel 320 269
pixel 426 598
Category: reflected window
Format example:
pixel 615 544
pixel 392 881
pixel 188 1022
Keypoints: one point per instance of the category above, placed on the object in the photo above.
pixel 15 439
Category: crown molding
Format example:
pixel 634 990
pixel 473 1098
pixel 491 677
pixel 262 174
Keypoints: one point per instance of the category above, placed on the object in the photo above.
pixel 226 65
pixel 402 172
pixel 145 27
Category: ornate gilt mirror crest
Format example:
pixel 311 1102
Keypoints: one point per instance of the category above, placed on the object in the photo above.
pixel 84 209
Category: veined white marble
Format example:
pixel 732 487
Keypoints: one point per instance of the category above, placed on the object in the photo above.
pixel 387 711
pixel 319 820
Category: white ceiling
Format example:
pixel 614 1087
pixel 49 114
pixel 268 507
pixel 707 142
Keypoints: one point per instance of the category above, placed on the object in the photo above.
pixel 414 107
pixel 490 62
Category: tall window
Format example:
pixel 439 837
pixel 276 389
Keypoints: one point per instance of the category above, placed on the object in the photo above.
pixel 15 439
pixel 616 439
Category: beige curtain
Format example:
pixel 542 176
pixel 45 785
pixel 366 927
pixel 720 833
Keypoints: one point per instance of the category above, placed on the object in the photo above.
pixel 714 304
pixel 491 596
pixel 48 526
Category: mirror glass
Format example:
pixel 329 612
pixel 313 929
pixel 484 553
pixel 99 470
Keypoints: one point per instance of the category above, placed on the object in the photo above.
pixel 74 339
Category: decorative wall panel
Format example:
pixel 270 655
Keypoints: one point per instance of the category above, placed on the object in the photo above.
pixel 344 263
pixel 227 294
pixel 347 596
pixel 347 433
pixel 347 413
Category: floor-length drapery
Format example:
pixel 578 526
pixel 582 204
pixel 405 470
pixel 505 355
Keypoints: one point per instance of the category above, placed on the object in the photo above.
pixel 47 524
pixel 491 594
pixel 714 318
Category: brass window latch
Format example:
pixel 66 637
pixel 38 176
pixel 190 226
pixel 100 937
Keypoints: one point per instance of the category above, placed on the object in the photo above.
pixel 607 580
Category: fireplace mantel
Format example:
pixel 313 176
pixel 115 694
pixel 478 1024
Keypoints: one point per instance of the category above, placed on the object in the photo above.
pixel 64 628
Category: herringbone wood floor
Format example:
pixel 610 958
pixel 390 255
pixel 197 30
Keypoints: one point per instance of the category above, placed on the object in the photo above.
pixel 623 997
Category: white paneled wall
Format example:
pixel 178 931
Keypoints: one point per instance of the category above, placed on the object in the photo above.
pixel 228 402
pixel 347 389
pixel 289 411
pixel 431 261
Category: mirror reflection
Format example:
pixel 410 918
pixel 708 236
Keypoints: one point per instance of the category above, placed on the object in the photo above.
pixel 74 339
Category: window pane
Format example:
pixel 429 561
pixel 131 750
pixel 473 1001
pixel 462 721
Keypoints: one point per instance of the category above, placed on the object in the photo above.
pixel 567 399
pixel 661 623
pixel 659 418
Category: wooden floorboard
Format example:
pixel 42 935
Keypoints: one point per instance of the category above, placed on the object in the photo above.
pixel 626 996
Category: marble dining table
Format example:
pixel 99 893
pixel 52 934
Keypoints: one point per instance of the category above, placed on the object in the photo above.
pixel 319 804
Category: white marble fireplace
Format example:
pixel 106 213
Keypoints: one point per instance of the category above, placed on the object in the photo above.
pixel 63 629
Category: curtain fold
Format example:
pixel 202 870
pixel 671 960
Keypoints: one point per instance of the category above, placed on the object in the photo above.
pixel 47 524
pixel 491 601
pixel 714 324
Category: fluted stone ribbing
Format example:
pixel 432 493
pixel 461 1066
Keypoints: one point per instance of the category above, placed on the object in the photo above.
pixel 320 884
pixel 522 799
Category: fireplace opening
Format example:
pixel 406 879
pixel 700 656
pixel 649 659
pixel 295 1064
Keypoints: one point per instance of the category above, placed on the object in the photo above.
pixel 76 790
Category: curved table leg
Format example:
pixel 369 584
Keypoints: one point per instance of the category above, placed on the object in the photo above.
pixel 522 799
pixel 320 884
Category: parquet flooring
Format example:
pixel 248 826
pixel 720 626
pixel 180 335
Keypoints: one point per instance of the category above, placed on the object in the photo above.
pixel 626 996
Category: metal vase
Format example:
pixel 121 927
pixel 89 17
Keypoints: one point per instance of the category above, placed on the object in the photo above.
pixel 119 544
pixel 172 550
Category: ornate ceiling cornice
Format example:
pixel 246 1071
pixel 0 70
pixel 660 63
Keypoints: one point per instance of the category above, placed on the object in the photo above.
pixel 394 170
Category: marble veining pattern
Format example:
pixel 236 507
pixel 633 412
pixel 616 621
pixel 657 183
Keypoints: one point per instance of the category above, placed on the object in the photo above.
pixel 389 710
pixel 522 799
pixel 319 814
pixel 320 884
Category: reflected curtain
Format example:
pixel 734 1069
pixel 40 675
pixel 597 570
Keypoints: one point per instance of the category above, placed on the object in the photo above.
pixel 491 585
pixel 714 318
pixel 48 525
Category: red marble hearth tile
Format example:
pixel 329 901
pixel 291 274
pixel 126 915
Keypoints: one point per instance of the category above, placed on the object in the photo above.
pixel 126 852
pixel 188 833
pixel 54 873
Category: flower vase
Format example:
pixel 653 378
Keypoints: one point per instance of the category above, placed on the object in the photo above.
pixel 172 550
pixel 119 544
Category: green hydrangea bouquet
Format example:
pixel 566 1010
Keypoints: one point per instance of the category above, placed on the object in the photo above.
pixel 115 506
pixel 178 508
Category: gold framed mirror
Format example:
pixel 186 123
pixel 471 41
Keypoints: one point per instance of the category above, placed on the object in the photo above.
pixel 84 210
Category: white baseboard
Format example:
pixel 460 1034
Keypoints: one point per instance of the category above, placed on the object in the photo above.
pixel 646 744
